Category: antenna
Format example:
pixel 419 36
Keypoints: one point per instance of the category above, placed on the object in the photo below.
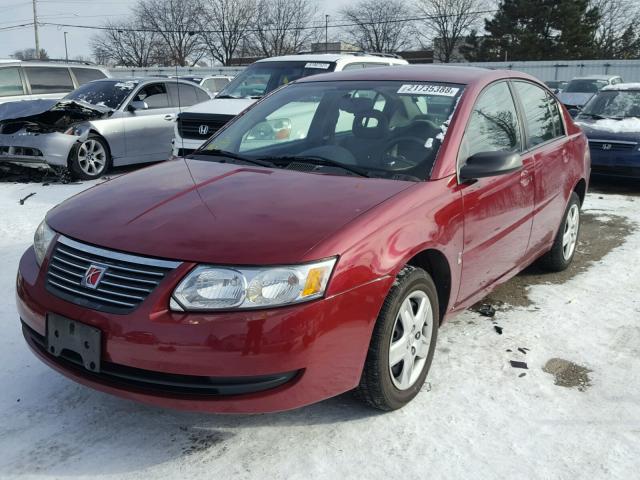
pixel 179 111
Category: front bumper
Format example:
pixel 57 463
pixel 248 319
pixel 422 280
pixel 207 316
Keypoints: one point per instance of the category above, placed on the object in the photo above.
pixel 308 352
pixel 615 164
pixel 185 146
pixel 30 148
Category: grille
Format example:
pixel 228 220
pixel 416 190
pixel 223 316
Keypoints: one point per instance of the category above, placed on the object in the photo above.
pixel 598 145
pixel 189 124
pixel 126 282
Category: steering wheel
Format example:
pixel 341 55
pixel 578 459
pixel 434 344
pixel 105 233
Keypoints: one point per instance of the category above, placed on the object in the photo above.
pixel 398 162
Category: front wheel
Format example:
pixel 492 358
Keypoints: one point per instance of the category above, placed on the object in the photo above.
pixel 403 342
pixel 564 246
pixel 90 159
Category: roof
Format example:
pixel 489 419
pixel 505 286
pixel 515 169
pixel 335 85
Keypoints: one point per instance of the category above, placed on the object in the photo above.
pixel 327 57
pixel 44 63
pixel 419 73
pixel 623 86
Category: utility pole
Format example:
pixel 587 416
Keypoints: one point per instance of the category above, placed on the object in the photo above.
pixel 326 33
pixel 66 51
pixel 35 29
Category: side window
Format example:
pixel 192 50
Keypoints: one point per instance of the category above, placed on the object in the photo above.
pixel 493 125
pixel 49 79
pixel 374 64
pixel 220 83
pixel 540 124
pixel 86 75
pixel 183 95
pixel 154 95
pixel 202 95
pixel 288 123
pixel 10 82
pixel 556 116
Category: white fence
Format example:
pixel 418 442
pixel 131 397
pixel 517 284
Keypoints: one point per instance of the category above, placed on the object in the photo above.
pixel 629 70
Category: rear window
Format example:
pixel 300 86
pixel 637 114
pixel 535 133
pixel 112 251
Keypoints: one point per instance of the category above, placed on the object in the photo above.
pixel 185 95
pixel 86 75
pixel 585 86
pixel 49 79
pixel 10 82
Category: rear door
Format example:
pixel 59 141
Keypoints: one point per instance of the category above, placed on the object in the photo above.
pixel 546 143
pixel 497 210
pixel 147 133
pixel 12 87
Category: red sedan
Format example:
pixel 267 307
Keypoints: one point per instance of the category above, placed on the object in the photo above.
pixel 311 247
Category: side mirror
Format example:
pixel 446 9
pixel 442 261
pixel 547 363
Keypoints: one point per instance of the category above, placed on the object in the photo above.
pixel 490 164
pixel 574 111
pixel 137 105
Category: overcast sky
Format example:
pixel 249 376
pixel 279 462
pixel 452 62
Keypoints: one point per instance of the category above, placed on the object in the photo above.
pixel 77 12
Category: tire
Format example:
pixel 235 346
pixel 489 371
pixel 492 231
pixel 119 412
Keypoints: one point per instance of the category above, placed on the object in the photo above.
pixel 385 384
pixel 90 159
pixel 564 246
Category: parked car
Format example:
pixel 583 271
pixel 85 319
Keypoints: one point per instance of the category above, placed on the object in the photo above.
pixel 195 125
pixel 101 124
pixel 579 90
pixel 212 83
pixel 556 86
pixel 611 121
pixel 259 276
pixel 30 80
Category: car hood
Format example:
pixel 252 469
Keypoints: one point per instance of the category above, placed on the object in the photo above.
pixel 209 212
pixel 627 129
pixel 575 99
pixel 224 106
pixel 48 115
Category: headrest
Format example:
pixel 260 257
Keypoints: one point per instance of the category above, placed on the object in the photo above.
pixel 371 124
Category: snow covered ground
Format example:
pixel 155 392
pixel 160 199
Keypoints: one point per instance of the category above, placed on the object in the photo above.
pixel 478 417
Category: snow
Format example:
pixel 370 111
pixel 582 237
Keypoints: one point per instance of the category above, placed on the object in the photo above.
pixel 476 418
pixel 623 86
pixel 626 125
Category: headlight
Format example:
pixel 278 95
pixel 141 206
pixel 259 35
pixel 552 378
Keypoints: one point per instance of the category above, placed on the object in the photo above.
pixel 76 131
pixel 41 241
pixel 223 288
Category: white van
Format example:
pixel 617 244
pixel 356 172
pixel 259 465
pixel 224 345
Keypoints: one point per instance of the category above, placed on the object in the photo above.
pixel 196 124
pixel 29 80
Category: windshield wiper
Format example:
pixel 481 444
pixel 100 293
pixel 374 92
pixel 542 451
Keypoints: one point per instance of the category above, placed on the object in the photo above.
pixel 594 115
pixel 225 96
pixel 314 160
pixel 232 156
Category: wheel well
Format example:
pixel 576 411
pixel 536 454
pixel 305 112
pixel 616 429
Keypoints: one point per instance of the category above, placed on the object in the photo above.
pixel 436 264
pixel 581 190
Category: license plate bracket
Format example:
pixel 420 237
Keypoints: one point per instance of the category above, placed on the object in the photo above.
pixel 83 340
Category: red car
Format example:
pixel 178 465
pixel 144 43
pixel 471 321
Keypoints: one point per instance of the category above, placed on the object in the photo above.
pixel 311 247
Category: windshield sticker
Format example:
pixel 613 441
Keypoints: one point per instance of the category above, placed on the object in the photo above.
pixel 440 90
pixel 323 66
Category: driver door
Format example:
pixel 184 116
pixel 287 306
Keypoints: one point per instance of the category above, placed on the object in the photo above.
pixel 147 133
pixel 498 210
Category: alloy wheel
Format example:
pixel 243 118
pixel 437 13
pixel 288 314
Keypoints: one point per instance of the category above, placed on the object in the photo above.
pixel 92 157
pixel 570 236
pixel 411 340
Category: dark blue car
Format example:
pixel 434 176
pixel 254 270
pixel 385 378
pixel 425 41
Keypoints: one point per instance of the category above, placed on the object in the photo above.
pixel 611 121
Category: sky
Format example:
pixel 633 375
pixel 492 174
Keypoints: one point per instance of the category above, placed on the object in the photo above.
pixel 77 12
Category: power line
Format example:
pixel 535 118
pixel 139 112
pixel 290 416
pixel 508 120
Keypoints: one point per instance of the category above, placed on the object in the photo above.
pixel 254 30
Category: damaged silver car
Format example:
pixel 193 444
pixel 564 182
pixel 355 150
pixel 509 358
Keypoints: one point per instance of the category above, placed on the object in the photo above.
pixel 102 124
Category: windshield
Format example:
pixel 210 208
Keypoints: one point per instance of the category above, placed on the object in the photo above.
pixel 614 104
pixel 261 78
pixel 585 86
pixel 103 93
pixel 386 129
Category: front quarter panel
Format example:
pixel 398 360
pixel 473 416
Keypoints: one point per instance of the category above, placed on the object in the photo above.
pixel 379 243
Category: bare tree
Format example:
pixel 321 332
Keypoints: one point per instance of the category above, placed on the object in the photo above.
pixel 177 23
pixel 225 24
pixel 446 24
pixel 30 54
pixel 616 18
pixel 126 43
pixel 378 25
pixel 283 26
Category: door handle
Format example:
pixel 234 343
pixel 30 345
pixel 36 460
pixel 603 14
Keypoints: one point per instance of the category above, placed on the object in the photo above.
pixel 525 177
pixel 169 117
